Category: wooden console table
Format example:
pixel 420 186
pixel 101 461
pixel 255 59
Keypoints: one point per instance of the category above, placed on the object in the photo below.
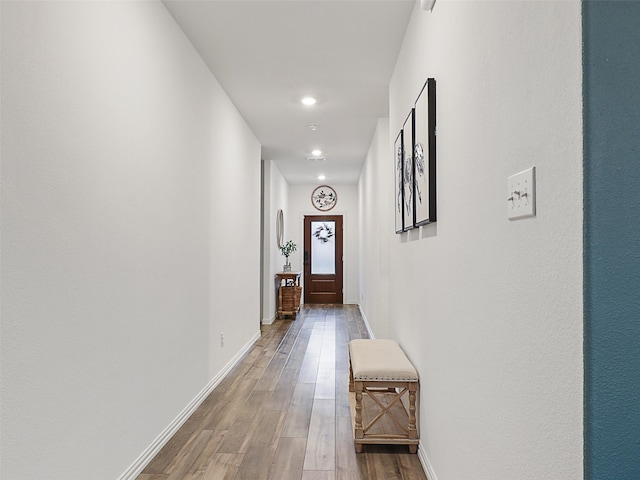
pixel 288 293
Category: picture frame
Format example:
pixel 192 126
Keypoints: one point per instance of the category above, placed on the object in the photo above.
pixel 424 155
pixel 398 157
pixel 408 216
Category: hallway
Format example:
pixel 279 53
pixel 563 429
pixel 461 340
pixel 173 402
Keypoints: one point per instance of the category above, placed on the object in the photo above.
pixel 283 413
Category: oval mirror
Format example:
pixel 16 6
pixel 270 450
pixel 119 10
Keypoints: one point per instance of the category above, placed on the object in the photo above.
pixel 279 228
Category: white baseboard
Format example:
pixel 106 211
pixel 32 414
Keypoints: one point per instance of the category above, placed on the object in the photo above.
pixel 366 322
pixel 426 464
pixel 143 460
pixel 268 321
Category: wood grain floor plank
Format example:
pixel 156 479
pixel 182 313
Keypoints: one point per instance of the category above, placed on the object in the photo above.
pixel 238 435
pixel 410 467
pixel 168 453
pixel 326 376
pixel 257 462
pixel 289 459
pixel 183 463
pixel 272 372
pixel 311 362
pixel 280 398
pixel 299 414
pixel 223 466
pixel 261 446
pixel 342 395
pixel 269 428
pixel 321 443
pixel 291 336
pixel 202 462
pixel 347 467
pixel 225 413
pixel 326 384
pixel 318 475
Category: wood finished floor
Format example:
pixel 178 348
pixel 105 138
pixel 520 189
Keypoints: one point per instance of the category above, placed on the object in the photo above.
pixel 283 413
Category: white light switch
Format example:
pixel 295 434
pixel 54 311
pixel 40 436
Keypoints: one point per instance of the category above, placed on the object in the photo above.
pixel 521 194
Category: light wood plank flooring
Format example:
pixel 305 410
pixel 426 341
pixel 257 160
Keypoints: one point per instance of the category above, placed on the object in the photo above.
pixel 283 413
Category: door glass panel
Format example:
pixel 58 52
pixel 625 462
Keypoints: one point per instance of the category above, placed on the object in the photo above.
pixel 323 248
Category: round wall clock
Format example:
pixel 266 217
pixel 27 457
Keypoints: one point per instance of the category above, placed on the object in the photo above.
pixel 324 198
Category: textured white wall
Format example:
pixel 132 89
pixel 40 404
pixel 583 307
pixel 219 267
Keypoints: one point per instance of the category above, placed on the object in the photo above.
pixel 347 206
pixel 490 310
pixel 124 171
pixel 276 190
pixel 374 192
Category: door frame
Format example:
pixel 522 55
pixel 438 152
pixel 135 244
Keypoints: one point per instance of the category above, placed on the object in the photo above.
pixel 306 260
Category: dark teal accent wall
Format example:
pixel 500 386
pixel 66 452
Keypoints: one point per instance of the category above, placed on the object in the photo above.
pixel 611 35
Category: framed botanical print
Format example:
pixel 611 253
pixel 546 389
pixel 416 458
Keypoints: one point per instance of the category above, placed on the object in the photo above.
pixel 399 186
pixel 407 174
pixel 424 155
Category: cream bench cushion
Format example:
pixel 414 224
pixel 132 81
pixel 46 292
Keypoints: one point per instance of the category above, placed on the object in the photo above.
pixel 380 360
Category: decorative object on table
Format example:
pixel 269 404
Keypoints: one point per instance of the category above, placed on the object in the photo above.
pixel 424 154
pixel 279 227
pixel 287 249
pixel 398 161
pixel 407 173
pixel 324 198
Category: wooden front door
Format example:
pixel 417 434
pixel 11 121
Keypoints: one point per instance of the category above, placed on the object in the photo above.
pixel 323 259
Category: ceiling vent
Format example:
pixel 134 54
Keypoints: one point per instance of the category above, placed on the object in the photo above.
pixel 316 159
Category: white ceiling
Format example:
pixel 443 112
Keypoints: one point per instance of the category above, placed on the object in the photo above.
pixel 267 54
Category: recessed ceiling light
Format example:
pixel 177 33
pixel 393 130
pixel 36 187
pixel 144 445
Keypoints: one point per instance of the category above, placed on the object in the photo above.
pixel 309 101
pixel 312 126
pixel 316 152
pixel 321 177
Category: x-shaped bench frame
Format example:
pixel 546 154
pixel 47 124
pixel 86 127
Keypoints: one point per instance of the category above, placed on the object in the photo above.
pixel 399 389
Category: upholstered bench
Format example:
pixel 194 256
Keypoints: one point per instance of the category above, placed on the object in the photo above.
pixel 380 375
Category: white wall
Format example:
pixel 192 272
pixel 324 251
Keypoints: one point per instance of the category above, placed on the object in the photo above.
pixel 276 191
pixel 124 169
pixel 490 310
pixel 347 206
pixel 374 192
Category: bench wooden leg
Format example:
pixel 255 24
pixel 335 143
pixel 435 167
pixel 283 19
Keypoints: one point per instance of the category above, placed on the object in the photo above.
pixel 413 432
pixel 351 387
pixel 358 431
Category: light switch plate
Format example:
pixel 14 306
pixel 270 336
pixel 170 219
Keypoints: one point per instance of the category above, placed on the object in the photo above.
pixel 521 194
